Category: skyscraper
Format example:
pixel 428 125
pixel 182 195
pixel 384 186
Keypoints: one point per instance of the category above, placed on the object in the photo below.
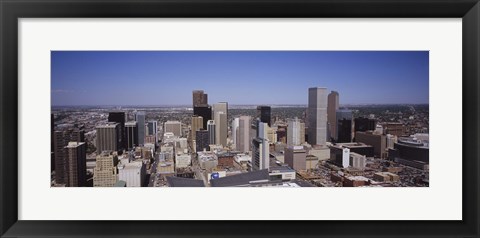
pixel 260 147
pixel 199 98
pixel 243 134
pixel 108 137
pixel 364 124
pixel 131 132
pixel 205 111
pixel 152 130
pixel 317 116
pixel 332 107
pixel 119 117
pixel 344 126
pixel 61 137
pixel 235 124
pixel 220 115
pixel 201 140
pixel 197 124
pixel 264 113
pixel 174 127
pixel 294 132
pixel 76 164
pixel 211 132
pixel 140 119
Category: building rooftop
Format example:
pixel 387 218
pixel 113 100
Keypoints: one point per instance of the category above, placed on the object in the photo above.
pixel 240 179
pixel 184 182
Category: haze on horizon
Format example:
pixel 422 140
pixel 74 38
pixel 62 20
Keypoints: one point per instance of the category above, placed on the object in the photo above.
pixel 135 78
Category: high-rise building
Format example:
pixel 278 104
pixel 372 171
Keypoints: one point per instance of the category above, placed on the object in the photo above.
pixel 211 127
pixel 61 137
pixel 119 117
pixel 260 147
pixel 132 173
pixel 364 124
pixel 344 126
pixel 205 111
pixel 108 137
pixel 221 128
pixel 197 124
pixel 140 119
pixel 131 132
pixel 294 134
pixel 201 139
pixel 105 171
pixel 243 134
pixel 296 157
pixel 152 130
pixel 235 124
pixel 174 127
pixel 76 164
pixel 199 98
pixel 317 116
pixel 332 107
pixel 265 114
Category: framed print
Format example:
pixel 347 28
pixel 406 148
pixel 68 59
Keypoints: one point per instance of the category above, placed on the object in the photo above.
pixel 280 118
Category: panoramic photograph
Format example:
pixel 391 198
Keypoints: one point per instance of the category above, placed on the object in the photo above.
pixel 285 119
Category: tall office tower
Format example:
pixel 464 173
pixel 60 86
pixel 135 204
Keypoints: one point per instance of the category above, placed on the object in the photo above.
pixel 211 132
pixel 344 126
pixel 131 131
pixel 364 124
pixel 260 147
pixel 220 115
pixel 61 137
pixel 264 113
pixel 317 116
pixel 332 107
pixel 119 117
pixel 205 99
pixel 302 132
pixel 197 124
pixel 108 137
pixel 174 127
pixel 243 134
pixel 105 172
pixel 235 124
pixel 152 130
pixel 201 140
pixel 294 132
pixel 140 119
pixel 76 164
pixel 204 111
pixel 199 98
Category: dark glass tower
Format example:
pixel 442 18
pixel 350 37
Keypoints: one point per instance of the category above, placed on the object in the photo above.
pixel 204 111
pixel 119 117
pixel 265 114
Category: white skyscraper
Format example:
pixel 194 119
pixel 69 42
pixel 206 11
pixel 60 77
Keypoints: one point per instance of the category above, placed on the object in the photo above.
pixel 243 134
pixel 294 132
pixel 219 115
pixel 317 116
pixel 235 124
pixel 261 148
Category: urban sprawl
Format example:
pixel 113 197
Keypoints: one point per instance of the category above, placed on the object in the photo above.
pixel 221 145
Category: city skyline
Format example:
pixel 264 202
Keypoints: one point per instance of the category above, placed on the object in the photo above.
pixel 128 78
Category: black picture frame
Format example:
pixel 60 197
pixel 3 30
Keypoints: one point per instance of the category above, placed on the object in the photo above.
pixel 11 11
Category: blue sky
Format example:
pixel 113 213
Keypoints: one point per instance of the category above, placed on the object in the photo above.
pixel 237 77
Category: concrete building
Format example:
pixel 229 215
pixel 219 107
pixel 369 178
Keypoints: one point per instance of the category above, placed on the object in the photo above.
pixel 105 172
pixel 378 141
pixel 340 155
pixel 295 157
pixel 260 147
pixel 61 138
pixel 76 164
pixel 197 124
pixel 221 128
pixel 140 119
pixel 108 137
pixel 235 124
pixel 207 160
pixel 211 127
pixel 410 149
pixel 322 152
pixel 174 127
pixel 131 132
pixel 152 130
pixel 317 116
pixel 358 161
pixel 294 132
pixel 359 148
pixel 183 160
pixel 332 107
pixel 243 134
pixel 394 128
pixel 133 174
